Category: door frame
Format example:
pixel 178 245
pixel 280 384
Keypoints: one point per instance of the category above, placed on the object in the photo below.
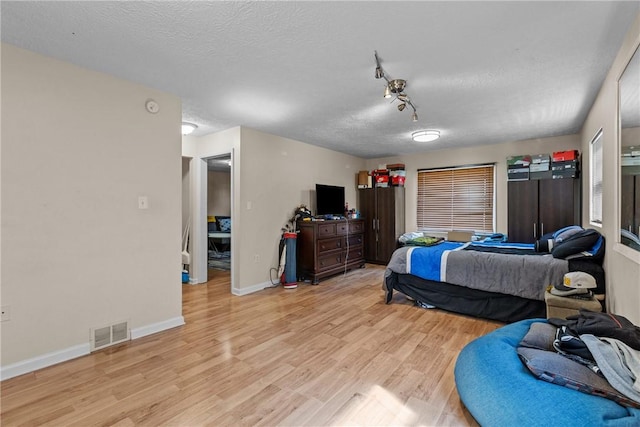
pixel 198 185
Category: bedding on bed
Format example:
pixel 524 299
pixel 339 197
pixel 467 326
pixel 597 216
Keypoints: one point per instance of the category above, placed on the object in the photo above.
pixel 525 276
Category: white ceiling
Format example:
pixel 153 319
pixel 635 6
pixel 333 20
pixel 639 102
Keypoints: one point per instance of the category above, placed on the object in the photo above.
pixel 480 72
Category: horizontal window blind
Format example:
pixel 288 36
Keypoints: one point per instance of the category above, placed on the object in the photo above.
pixel 456 198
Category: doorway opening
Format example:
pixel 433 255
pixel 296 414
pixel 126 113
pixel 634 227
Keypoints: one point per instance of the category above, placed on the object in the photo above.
pixel 219 217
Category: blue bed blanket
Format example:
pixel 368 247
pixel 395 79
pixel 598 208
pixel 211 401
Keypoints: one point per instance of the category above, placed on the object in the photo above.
pixel 526 276
pixel 428 263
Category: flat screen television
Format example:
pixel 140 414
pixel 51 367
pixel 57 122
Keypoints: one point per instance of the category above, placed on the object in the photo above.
pixel 329 200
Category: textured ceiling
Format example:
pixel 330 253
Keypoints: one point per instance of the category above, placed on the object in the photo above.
pixel 480 72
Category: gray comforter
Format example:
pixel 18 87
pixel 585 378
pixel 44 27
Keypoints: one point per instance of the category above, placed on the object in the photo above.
pixel 526 276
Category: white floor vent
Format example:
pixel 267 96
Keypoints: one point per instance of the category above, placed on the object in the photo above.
pixel 109 335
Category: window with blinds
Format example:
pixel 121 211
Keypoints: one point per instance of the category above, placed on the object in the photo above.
pixel 460 198
pixel 596 179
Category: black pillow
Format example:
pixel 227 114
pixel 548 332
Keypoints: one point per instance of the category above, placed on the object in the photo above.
pixel 582 241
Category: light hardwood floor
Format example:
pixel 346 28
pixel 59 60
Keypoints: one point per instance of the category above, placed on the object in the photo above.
pixel 332 354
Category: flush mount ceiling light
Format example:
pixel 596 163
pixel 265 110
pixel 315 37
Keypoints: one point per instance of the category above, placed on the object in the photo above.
pixel 395 87
pixel 425 135
pixel 187 128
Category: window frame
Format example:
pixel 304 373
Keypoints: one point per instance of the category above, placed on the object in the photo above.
pixel 451 225
pixel 596 175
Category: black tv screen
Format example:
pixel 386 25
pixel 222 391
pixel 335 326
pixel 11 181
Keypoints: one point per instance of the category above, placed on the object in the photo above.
pixel 329 200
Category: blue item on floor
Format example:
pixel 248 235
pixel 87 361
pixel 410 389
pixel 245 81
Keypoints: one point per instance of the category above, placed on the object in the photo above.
pixel 290 276
pixel 498 389
pixel 185 276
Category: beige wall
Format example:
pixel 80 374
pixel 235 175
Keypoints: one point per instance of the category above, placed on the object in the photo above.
pixel 496 153
pixel 622 264
pixel 218 193
pixel 198 148
pixel 78 148
pixel 274 175
pixel 278 174
pixel 630 137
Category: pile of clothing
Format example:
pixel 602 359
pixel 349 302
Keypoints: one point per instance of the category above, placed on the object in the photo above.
pixel 607 344
pixel 592 352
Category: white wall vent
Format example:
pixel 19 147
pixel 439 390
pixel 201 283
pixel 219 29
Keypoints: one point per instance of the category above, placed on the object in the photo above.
pixel 109 335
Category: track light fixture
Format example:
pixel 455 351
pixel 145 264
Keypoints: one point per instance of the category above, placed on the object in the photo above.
pixel 395 87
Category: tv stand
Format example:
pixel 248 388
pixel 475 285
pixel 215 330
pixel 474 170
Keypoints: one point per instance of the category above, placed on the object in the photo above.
pixel 322 248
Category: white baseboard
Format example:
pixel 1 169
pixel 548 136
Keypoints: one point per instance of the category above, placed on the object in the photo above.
pixel 154 328
pixel 55 357
pixel 43 361
pixel 251 289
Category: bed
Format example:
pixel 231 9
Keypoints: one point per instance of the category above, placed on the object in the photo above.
pixel 493 280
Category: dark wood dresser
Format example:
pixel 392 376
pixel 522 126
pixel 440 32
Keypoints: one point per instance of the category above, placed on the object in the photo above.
pixel 325 248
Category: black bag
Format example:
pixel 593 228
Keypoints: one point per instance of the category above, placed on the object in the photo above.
pixel 589 241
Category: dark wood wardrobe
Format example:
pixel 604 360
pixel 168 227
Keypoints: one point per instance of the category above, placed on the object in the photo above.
pixel 542 206
pixel 382 209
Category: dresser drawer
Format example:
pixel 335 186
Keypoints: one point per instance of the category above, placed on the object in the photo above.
pixel 342 228
pixel 326 245
pixel 323 247
pixel 355 253
pixel 356 240
pixel 326 262
pixel 356 227
pixel 326 230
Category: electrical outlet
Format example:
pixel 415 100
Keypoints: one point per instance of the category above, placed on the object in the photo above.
pixel 256 258
pixel 6 313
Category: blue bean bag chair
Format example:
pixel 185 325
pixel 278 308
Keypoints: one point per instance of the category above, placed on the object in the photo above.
pixel 499 390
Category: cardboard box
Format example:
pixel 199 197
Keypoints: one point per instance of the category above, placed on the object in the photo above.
pixel 398 180
pixel 560 166
pixel 566 173
pixel 459 236
pixel 363 178
pixel 380 176
pixel 519 177
pixel 541 175
pixel 517 168
pixel 540 158
pixel 563 156
pixel 630 161
pixel 522 160
pixel 561 307
pixel 395 166
pixel 382 180
pixel 539 167
pixel 516 173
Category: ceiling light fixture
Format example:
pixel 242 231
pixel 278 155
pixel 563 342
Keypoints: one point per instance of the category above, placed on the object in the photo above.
pixel 425 135
pixel 187 128
pixel 395 86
